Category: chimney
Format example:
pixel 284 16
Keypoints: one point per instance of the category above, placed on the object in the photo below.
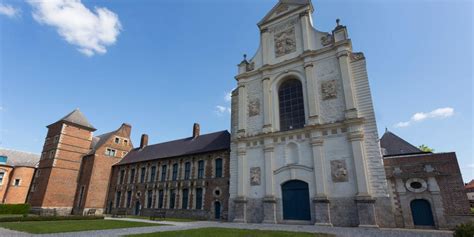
pixel 196 130
pixel 144 141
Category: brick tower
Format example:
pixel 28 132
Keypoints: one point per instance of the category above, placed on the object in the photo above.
pixel 55 181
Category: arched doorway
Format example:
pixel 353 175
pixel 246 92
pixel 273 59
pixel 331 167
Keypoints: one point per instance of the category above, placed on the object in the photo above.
pixel 217 210
pixel 421 213
pixel 295 195
pixel 137 208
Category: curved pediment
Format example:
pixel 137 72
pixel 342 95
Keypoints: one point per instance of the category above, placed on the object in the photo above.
pixel 293 166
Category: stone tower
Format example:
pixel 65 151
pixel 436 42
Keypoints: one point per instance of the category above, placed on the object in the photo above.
pixel 55 181
pixel 304 138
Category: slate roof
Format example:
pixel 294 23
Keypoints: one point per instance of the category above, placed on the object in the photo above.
pixel 98 141
pixel 78 118
pixel 183 147
pixel 20 158
pixel 392 144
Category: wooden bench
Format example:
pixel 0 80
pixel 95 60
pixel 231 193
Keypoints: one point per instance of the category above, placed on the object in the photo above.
pixel 160 214
pixel 120 213
pixel 91 212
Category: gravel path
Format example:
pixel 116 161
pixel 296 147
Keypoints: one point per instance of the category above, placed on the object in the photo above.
pixel 338 231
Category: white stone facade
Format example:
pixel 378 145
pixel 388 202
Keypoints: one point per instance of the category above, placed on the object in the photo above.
pixel 336 153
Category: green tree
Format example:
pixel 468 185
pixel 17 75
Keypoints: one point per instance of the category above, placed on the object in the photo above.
pixel 425 148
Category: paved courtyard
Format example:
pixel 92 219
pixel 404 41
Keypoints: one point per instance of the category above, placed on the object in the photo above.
pixel 338 231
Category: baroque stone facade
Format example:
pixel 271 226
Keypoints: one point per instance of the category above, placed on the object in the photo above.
pixel 315 137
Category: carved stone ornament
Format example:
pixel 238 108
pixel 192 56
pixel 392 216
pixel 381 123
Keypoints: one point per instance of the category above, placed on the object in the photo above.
pixel 357 56
pixel 339 171
pixel 282 8
pixel 329 89
pixel 285 42
pixel 326 40
pixel 250 66
pixel 254 107
pixel 255 176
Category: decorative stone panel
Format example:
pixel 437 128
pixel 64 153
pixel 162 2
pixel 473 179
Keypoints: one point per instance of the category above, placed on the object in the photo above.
pixel 254 107
pixel 255 174
pixel 285 42
pixel 339 171
pixel 329 89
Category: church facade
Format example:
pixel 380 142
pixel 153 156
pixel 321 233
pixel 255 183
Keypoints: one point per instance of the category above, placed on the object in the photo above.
pixel 304 145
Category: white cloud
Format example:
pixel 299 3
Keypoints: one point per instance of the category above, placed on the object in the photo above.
pixel 90 31
pixel 228 96
pixel 221 110
pixel 421 116
pixel 9 10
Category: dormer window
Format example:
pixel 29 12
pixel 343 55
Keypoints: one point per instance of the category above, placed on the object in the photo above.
pixel 125 142
pixel 117 140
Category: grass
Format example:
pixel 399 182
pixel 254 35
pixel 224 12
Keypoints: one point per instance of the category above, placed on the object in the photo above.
pixel 161 219
pixel 224 232
pixel 44 227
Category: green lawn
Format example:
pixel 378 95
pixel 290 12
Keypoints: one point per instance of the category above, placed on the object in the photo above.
pixel 223 232
pixel 43 227
pixel 165 219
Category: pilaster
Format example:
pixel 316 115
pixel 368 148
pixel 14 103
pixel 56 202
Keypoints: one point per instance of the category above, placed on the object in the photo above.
pixel 267 106
pixel 242 101
pixel 356 138
pixel 321 202
pixel 347 82
pixel 265 47
pixel 306 31
pixel 313 100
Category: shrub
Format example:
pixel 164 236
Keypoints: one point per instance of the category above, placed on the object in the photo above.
pixel 49 218
pixel 464 230
pixel 14 208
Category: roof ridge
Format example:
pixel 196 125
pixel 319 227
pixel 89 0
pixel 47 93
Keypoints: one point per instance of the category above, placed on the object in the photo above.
pixel 28 152
pixel 189 137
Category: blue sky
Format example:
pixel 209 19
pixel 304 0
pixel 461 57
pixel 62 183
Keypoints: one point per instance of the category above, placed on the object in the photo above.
pixel 163 65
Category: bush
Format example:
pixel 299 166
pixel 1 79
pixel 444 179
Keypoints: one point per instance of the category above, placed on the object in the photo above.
pixel 464 230
pixel 14 208
pixel 48 218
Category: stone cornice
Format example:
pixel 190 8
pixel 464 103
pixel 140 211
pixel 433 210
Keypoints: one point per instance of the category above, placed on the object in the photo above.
pixel 355 136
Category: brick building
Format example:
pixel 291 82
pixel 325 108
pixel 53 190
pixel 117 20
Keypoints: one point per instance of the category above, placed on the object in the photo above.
pixel 187 178
pixel 470 192
pixel 70 149
pixel 427 188
pixel 16 172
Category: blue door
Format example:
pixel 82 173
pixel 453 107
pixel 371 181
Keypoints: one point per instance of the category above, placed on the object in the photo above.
pixel 295 200
pixel 421 212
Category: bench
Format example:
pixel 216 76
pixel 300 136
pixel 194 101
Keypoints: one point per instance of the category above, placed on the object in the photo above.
pixel 120 213
pixel 160 214
pixel 91 212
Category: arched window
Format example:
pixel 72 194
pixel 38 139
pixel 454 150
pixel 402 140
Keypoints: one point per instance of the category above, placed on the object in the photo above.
pixel 291 104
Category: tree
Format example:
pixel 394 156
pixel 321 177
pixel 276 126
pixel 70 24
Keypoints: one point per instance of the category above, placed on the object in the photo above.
pixel 425 148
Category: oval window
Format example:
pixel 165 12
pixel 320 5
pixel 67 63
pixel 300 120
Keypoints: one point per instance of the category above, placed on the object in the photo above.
pixel 416 185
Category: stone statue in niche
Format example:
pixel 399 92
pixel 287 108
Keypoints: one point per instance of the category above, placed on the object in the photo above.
pixel 326 40
pixel 250 66
pixel 255 176
pixel 285 42
pixel 254 107
pixel 339 171
pixel 329 89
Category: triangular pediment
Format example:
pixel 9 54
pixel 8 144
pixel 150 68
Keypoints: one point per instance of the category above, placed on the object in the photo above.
pixel 283 8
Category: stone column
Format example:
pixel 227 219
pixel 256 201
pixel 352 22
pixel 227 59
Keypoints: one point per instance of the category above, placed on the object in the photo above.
pixel 321 201
pixel 365 202
pixel 240 201
pixel 347 82
pixel 242 115
pixel 269 201
pixel 267 106
pixel 313 100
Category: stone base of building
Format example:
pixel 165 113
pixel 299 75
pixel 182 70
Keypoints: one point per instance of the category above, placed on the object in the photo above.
pixel 51 211
pixel 343 212
pixel 88 211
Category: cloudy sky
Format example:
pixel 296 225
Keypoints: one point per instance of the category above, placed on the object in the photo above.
pixel 163 65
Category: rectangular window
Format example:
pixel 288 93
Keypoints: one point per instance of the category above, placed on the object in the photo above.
pixel 51 154
pixel 110 152
pixel 2 174
pixel 129 198
pixel 117 140
pixel 117 199
pixel 153 174
pixel 218 168
pixel 199 198
pixel 160 198
pixel 125 141
pixel 142 174
pixel 122 175
pixel 172 198
pixel 187 170
pixel 175 171
pixel 16 183
pixel 132 175
pixel 149 198
pixel 185 199
pixel 200 169
pixel 163 173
